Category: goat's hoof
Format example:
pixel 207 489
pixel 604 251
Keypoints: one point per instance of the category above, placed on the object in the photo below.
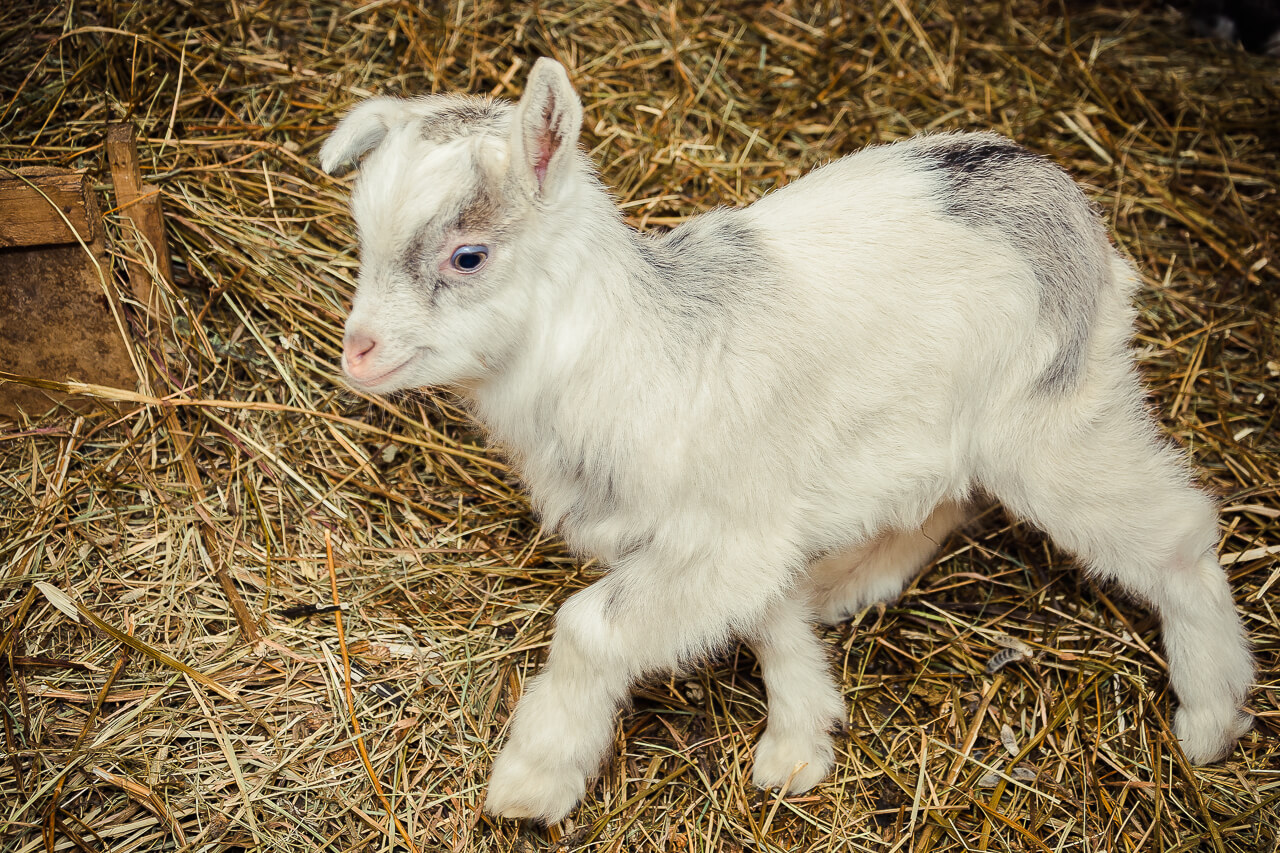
pixel 839 611
pixel 1207 736
pixel 792 761
pixel 834 615
pixel 532 790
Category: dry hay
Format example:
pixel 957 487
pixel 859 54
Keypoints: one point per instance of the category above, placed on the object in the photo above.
pixel 195 711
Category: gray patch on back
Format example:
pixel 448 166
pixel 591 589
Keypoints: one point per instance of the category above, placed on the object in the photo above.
pixel 707 267
pixel 1035 206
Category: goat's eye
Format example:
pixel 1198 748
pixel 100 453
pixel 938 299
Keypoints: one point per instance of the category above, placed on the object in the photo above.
pixel 469 258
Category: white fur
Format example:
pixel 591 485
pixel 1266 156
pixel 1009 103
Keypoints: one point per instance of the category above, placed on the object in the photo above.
pixel 748 449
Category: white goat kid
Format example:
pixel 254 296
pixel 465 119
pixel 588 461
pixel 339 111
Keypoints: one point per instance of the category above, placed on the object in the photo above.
pixel 771 414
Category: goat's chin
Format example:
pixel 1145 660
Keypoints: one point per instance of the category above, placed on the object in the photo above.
pixel 381 388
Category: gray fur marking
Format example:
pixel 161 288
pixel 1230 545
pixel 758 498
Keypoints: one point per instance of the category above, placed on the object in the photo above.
pixel 482 216
pixel 1034 205
pixel 707 266
pixel 465 116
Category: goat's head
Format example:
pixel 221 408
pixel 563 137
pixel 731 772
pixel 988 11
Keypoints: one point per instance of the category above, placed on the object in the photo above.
pixel 450 192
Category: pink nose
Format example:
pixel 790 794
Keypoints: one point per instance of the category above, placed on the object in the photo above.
pixel 357 351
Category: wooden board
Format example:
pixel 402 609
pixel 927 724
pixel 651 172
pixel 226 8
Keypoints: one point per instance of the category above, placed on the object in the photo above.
pixel 55 319
pixel 34 203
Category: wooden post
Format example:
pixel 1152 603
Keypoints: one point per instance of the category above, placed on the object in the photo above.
pixel 140 205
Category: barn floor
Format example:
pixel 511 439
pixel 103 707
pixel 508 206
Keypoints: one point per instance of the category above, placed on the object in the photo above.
pixel 165 686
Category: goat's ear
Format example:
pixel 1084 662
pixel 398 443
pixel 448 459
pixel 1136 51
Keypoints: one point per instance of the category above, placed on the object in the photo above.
pixel 544 134
pixel 359 132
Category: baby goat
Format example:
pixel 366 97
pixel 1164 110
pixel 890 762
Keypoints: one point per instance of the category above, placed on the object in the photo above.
pixel 773 414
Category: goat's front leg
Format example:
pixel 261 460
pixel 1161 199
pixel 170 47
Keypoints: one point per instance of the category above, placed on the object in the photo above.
pixel 564 722
pixel 606 637
pixel 795 751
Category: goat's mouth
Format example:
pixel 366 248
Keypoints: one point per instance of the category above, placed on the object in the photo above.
pixel 375 384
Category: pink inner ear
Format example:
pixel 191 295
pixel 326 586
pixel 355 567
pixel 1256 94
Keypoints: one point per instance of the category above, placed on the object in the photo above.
pixel 547 144
pixel 546 148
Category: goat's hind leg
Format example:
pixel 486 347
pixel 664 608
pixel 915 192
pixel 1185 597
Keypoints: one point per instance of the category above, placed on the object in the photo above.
pixel 1105 487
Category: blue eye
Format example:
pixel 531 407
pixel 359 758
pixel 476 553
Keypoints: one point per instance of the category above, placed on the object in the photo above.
pixel 469 258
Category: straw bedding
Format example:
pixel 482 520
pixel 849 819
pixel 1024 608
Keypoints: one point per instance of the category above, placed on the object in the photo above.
pixel 166 681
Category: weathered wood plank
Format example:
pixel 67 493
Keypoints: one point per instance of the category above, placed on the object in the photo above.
pixel 56 318
pixel 40 205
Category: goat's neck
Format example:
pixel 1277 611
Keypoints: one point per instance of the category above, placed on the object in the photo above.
pixel 588 332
